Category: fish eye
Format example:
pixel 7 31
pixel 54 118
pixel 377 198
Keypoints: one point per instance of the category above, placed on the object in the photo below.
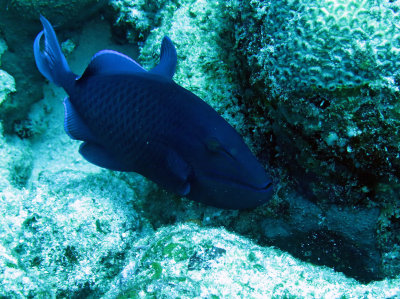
pixel 227 153
pixel 215 146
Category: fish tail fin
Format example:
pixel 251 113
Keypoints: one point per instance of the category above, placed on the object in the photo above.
pixel 51 62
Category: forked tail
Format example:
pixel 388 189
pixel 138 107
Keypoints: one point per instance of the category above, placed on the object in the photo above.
pixel 51 61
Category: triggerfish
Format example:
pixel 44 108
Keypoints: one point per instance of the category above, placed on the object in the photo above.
pixel 134 120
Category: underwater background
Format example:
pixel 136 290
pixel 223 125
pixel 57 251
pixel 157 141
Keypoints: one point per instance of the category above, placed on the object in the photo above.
pixel 313 86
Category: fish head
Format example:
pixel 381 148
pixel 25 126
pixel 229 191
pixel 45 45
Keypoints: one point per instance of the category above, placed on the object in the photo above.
pixel 229 175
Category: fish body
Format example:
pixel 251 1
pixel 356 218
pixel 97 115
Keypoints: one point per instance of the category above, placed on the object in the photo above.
pixel 134 120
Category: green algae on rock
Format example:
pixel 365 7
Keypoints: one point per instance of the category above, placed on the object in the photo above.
pixel 189 261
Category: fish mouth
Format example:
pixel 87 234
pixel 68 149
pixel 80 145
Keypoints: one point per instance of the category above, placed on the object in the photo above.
pixel 266 186
pixel 227 193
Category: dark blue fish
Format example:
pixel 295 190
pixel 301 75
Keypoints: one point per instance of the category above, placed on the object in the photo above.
pixel 130 119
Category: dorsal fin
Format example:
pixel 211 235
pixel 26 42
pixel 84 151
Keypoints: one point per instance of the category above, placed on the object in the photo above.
pixel 107 62
pixel 166 66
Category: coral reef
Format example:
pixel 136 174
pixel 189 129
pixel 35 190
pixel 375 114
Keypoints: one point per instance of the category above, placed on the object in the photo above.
pixel 65 237
pixel 189 261
pixel 343 135
pixel 326 45
pixel 318 81
pixel 136 18
pixel 324 78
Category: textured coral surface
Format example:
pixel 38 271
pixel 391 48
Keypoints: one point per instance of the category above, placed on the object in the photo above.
pixel 190 261
pixel 325 76
pixel 328 44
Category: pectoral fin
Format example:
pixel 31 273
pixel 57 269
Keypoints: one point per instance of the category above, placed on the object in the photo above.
pixel 180 170
pixel 167 168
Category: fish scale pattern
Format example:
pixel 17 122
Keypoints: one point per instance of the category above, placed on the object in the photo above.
pixel 120 115
pixel 328 44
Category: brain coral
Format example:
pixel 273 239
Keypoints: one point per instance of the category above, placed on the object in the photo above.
pixel 324 76
pixel 327 44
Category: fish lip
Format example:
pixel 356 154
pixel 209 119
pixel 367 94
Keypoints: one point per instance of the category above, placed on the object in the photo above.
pixel 267 186
pixel 264 188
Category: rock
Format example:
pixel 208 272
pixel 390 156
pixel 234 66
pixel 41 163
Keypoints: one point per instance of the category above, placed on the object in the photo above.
pixel 189 261
pixel 61 13
pixel 19 24
pixel 326 90
pixel 7 82
pixel 7 86
pixel 67 236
